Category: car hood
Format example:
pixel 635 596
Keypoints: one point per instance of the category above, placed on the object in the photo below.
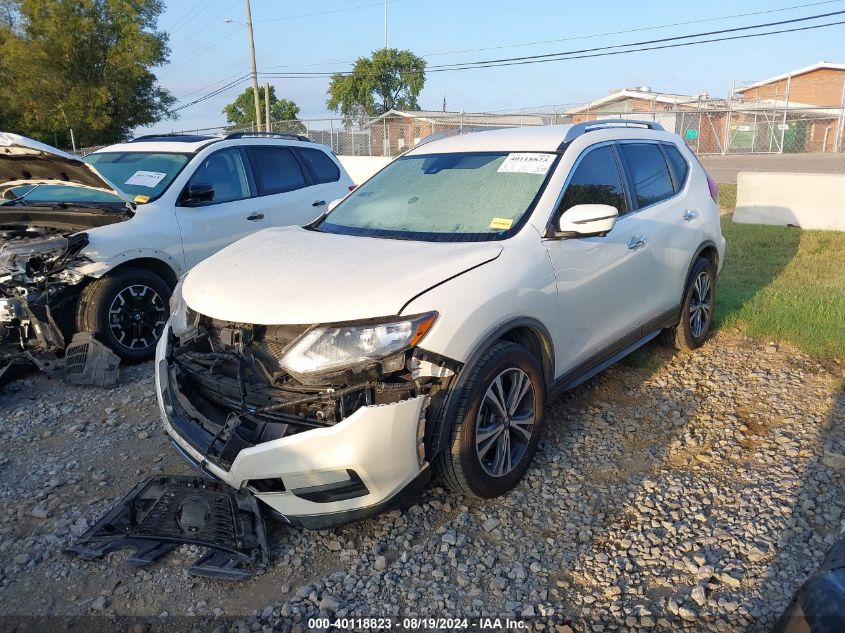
pixel 292 275
pixel 24 161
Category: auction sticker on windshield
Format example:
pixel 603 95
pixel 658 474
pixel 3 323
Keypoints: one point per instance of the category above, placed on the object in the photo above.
pixel 526 163
pixel 145 178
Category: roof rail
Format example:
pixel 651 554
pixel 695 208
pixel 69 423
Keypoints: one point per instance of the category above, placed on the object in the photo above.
pixel 278 135
pixel 588 126
pixel 177 138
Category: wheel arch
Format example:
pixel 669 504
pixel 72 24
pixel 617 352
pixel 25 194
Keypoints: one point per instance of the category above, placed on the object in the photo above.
pixel 525 331
pixel 706 249
pixel 153 265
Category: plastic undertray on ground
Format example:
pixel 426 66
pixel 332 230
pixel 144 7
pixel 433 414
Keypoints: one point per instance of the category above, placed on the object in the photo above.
pixel 164 512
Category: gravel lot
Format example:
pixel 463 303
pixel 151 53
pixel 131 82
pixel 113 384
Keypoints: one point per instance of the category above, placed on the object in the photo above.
pixel 673 491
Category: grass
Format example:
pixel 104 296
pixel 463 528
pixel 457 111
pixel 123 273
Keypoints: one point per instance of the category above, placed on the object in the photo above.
pixel 784 284
pixel 727 196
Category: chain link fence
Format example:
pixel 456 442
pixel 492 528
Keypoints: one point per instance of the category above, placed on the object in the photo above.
pixel 710 130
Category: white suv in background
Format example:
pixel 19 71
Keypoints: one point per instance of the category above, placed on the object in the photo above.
pixel 97 246
pixel 426 320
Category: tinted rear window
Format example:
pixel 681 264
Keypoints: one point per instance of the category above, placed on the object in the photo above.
pixel 321 166
pixel 276 170
pixel 679 165
pixel 649 173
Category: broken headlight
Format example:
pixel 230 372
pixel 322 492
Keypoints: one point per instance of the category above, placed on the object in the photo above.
pixel 16 254
pixel 327 348
pixel 183 320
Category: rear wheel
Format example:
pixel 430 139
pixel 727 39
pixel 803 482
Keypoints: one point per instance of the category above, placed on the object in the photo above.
pixel 126 310
pixel 497 427
pixel 697 309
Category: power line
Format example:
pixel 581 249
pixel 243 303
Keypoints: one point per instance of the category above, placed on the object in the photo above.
pixel 635 30
pixel 214 93
pixel 582 37
pixel 197 52
pixel 196 9
pixel 211 85
pixel 326 12
pixel 562 54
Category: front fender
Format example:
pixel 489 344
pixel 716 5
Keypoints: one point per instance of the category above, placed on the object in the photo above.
pixel 96 269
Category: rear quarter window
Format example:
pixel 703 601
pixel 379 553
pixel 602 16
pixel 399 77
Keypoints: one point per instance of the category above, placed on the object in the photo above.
pixel 322 168
pixel 680 166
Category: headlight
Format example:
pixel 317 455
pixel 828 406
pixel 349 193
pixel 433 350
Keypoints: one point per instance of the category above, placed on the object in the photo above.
pixel 183 320
pixel 14 254
pixel 327 348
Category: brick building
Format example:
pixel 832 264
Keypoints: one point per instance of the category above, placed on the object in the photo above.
pixel 396 131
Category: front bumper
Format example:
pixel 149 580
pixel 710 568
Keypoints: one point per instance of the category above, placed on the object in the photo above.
pixel 360 466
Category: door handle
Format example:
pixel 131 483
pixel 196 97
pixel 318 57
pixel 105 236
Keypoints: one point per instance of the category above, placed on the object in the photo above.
pixel 638 241
pixel 254 217
pixel 690 214
pixel 318 203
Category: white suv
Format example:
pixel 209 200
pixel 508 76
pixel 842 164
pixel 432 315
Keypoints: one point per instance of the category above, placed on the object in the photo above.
pixel 97 246
pixel 427 319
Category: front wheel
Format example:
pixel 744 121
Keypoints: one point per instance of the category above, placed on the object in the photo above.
pixel 497 428
pixel 126 310
pixel 697 309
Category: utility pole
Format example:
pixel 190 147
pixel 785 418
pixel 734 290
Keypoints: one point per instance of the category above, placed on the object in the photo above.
pixel 266 106
pixel 385 23
pixel 254 69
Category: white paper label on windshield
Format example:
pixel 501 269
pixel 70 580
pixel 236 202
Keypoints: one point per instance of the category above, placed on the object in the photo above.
pixel 145 178
pixel 526 163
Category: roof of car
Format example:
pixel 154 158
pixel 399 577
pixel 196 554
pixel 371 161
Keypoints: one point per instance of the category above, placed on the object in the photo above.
pixel 542 138
pixel 192 143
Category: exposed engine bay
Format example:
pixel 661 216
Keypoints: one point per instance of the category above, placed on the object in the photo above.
pixel 39 288
pixel 225 379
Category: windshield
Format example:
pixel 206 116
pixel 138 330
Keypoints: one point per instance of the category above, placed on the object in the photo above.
pixel 145 174
pixel 34 194
pixel 445 197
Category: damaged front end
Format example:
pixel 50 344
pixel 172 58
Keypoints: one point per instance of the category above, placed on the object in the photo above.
pixel 37 292
pixel 322 438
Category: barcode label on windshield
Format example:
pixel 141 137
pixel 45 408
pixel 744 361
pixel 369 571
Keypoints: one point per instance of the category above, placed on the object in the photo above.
pixel 526 163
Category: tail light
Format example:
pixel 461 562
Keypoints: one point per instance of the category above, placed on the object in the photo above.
pixel 713 186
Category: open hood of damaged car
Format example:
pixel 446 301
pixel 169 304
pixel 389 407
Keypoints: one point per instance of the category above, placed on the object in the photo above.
pixel 291 275
pixel 24 161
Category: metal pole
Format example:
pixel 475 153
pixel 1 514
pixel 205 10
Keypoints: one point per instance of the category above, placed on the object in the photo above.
pixel 837 143
pixel 254 69
pixel 267 106
pixel 727 138
pixel 72 141
pixel 785 108
pixel 385 23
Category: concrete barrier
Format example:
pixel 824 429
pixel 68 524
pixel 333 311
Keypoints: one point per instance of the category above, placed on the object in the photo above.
pixel 360 168
pixel 811 201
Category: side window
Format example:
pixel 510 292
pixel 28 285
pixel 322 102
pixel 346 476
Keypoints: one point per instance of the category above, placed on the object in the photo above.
pixel 276 170
pixel 321 166
pixel 225 171
pixel 649 173
pixel 596 180
pixel 680 166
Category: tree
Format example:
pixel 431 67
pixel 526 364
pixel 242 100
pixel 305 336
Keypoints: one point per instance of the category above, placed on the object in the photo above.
pixel 241 112
pixel 390 79
pixel 81 64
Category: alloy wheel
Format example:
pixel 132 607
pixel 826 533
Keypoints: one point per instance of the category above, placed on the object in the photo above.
pixel 505 422
pixel 700 305
pixel 137 316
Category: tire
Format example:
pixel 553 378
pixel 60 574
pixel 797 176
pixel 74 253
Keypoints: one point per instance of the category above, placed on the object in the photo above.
pixel 478 471
pixel 696 314
pixel 126 310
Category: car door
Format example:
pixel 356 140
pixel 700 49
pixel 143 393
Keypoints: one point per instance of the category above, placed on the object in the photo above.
pixel 325 176
pixel 232 213
pixel 599 279
pixel 672 230
pixel 285 189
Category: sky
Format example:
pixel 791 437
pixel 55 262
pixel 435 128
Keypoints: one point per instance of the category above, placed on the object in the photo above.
pixel 328 35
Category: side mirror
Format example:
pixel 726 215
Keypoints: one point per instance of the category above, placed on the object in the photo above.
pixel 334 203
pixel 197 194
pixel 587 220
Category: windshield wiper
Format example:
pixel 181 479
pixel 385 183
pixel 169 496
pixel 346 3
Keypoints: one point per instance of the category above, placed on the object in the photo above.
pixel 79 205
pixel 20 198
